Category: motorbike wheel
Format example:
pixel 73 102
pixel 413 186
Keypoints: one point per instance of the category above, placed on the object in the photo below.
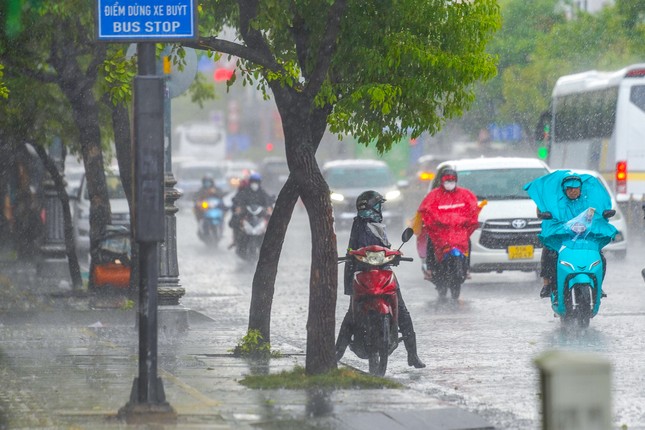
pixel 583 299
pixel 377 360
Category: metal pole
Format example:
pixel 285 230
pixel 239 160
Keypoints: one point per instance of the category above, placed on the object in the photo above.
pixel 147 399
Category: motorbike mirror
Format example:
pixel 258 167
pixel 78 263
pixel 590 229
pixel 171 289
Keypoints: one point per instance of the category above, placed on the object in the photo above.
pixel 407 234
pixel 608 213
pixel 545 215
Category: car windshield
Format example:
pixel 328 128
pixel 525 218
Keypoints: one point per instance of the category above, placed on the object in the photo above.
pixel 499 184
pixel 114 186
pixel 358 177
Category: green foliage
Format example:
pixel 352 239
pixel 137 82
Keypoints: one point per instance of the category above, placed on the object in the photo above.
pixel 342 378
pixel 537 44
pixel 396 69
pixel 4 91
pixel 118 75
pixel 253 346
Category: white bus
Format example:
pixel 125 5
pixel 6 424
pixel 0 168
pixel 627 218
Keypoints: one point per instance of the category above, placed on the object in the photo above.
pixel 598 123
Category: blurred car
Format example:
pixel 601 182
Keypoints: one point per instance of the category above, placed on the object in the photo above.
pixel 617 247
pixel 81 214
pixel 421 176
pixel 274 171
pixel 349 178
pixel 189 174
pixel 73 175
pixel 507 237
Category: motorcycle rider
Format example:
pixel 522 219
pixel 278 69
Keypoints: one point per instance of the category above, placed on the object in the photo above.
pixel 368 229
pixel 574 204
pixel 449 215
pixel 208 189
pixel 251 192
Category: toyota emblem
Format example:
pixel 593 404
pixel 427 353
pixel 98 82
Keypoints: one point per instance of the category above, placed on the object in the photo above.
pixel 518 223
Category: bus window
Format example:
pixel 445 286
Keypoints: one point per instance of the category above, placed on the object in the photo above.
pixel 637 96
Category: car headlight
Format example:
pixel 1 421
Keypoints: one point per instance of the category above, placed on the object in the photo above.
pixel 337 197
pixel 392 195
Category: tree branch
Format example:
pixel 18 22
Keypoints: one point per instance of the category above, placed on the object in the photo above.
pixel 232 48
pixel 327 47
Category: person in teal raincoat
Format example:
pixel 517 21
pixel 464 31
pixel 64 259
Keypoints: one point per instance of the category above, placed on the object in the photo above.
pixel 566 194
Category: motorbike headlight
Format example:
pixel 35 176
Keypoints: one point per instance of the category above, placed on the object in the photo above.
pixel 375 258
pixel 204 204
pixel 569 265
pixel 337 197
pixel 392 195
pixel 594 264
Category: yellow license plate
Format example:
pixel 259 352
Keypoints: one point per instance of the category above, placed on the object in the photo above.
pixel 520 252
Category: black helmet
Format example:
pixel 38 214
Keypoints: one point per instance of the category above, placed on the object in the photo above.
pixel 448 171
pixel 208 181
pixel 368 200
pixel 368 205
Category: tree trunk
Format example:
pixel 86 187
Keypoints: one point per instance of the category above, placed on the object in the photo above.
pixel 323 281
pixel 77 86
pixel 72 258
pixel 303 131
pixel 123 145
pixel 267 267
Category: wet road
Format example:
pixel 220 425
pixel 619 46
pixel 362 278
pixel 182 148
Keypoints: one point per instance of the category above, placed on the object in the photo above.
pixel 479 351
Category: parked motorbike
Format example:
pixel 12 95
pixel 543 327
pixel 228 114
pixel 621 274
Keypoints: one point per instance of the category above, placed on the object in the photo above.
pixel 253 226
pixel 111 271
pixel 580 268
pixel 211 222
pixel 375 304
pixel 450 273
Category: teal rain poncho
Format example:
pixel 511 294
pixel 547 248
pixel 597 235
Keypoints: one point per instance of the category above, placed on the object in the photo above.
pixel 548 194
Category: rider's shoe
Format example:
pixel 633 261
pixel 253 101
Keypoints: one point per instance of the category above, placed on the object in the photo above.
pixel 603 294
pixel 545 291
pixel 410 343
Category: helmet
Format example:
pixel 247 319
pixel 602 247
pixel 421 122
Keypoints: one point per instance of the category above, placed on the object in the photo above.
pixel 255 177
pixel 208 181
pixel 571 181
pixel 368 205
pixel 447 172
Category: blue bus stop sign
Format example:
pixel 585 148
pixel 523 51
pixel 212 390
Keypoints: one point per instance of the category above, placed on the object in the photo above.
pixel 146 20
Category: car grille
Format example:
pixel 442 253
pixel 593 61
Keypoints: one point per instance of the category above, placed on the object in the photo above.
pixel 502 233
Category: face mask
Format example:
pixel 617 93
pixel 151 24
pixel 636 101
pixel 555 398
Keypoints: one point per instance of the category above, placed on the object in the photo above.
pixel 449 185
pixel 255 186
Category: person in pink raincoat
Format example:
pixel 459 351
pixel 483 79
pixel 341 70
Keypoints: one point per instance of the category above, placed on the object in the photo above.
pixel 449 214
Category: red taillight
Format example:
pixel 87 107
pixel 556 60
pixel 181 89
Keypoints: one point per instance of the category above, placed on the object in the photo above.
pixel 636 73
pixel 621 177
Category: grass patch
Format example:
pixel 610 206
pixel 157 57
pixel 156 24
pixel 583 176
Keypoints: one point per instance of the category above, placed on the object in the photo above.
pixel 342 378
pixel 252 346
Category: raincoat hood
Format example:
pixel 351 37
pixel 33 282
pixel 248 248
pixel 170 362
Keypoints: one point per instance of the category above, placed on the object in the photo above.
pixel 548 194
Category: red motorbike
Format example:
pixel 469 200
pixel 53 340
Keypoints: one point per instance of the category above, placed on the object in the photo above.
pixel 375 304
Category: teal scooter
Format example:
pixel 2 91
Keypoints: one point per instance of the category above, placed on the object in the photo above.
pixel 579 269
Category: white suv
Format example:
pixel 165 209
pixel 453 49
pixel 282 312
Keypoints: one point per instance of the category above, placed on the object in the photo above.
pixel 507 236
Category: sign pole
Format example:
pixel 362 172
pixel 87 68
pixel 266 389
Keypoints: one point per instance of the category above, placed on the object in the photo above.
pixel 147 399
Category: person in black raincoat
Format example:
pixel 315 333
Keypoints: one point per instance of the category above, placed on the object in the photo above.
pixel 368 229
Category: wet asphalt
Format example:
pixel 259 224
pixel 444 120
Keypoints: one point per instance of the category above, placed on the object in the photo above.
pixel 69 361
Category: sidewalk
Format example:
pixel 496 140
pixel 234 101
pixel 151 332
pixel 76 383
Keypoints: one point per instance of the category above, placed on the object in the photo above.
pixel 65 365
